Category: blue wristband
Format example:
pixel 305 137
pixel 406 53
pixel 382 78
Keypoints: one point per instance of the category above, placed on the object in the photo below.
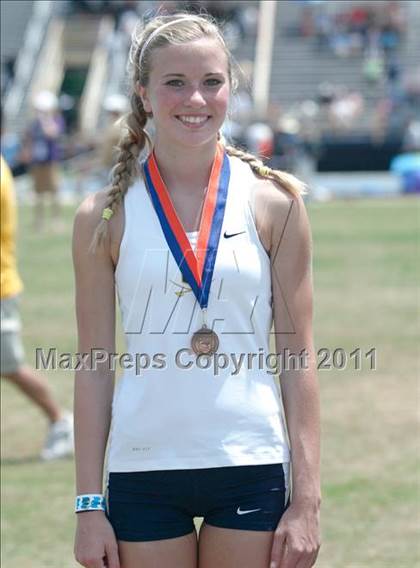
pixel 90 502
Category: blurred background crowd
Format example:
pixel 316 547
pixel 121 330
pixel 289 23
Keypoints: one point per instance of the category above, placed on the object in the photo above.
pixel 343 89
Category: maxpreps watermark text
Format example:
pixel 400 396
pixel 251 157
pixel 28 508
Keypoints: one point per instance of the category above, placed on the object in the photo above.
pixel 272 363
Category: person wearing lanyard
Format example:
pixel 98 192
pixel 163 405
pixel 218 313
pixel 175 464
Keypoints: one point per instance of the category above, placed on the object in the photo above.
pixel 205 247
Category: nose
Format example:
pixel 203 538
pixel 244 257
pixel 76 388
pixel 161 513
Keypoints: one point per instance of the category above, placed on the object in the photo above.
pixel 196 98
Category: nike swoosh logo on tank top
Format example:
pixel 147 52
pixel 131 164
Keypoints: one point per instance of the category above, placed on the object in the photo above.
pixel 230 235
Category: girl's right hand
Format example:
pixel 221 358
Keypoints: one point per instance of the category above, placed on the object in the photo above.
pixel 95 544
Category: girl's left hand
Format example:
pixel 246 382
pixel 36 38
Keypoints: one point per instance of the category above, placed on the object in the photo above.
pixel 297 538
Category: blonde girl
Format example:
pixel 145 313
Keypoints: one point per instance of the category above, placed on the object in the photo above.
pixel 205 247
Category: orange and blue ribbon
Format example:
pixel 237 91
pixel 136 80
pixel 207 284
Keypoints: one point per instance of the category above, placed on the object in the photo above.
pixel 196 267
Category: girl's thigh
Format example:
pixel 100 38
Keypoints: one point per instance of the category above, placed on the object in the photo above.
pixel 179 552
pixel 233 548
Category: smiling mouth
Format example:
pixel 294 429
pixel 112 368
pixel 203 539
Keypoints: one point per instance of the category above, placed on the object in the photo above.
pixel 193 121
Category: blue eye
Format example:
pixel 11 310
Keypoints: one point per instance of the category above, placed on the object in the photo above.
pixel 175 83
pixel 213 82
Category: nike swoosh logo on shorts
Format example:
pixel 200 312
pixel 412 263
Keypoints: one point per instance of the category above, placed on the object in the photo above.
pixel 228 236
pixel 239 512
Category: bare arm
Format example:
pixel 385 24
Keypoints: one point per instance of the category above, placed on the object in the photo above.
pixel 291 258
pixel 286 231
pixel 95 310
pixel 95 542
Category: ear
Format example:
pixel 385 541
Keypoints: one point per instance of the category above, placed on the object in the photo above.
pixel 142 93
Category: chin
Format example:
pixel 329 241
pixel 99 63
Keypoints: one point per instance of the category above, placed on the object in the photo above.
pixel 176 137
pixel 198 139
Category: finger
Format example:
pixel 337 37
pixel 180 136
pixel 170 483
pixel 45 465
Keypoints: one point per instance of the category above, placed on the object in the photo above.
pixel 308 558
pixel 291 558
pixel 305 561
pixel 112 558
pixel 309 561
pixel 90 562
pixel 278 549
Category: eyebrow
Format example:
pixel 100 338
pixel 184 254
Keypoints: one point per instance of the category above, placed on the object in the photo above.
pixel 182 75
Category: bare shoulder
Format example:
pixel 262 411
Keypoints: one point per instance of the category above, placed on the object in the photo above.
pixel 88 216
pixel 273 194
pixel 89 212
pixel 275 208
pixel 94 277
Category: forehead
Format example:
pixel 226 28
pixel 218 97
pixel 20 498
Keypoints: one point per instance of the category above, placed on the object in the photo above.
pixel 204 55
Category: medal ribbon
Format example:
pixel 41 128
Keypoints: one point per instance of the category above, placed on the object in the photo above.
pixel 196 267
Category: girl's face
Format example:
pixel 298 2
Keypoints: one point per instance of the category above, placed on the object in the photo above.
pixel 188 92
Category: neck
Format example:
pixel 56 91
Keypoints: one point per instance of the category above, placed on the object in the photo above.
pixel 185 169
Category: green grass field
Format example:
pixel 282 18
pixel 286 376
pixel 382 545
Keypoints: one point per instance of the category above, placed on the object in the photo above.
pixel 366 276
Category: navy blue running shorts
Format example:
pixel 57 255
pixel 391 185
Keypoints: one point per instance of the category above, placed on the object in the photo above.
pixel 155 505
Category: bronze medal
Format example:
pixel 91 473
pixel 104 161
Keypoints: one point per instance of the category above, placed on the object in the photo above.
pixel 205 341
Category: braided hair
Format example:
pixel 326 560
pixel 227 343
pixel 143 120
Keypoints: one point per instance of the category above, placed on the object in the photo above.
pixel 288 181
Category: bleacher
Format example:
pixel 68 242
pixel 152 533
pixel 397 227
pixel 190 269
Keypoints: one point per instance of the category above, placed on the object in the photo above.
pixel 298 69
pixel 14 19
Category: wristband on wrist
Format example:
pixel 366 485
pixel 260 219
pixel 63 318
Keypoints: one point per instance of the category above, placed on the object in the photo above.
pixel 90 502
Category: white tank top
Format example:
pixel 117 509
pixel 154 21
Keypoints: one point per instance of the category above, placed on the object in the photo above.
pixel 175 414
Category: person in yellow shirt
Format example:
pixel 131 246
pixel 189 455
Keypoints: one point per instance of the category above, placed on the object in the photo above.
pixel 59 441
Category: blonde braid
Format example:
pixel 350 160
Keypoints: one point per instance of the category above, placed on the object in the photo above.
pixel 288 181
pixel 130 146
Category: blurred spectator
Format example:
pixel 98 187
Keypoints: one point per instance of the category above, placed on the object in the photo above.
pixel 115 106
pixel 124 11
pixel 241 109
pixel 308 113
pixel 93 157
pixel 127 21
pixel 407 166
pixel 7 74
pixel 288 145
pixel 41 151
pixel 242 105
pixel 345 109
pixel 348 30
pixel 12 150
pixel 324 29
pixel 380 119
pixel 411 86
pixel 259 139
pixel 411 142
pixel 59 441
pixel 374 67
pixel 68 109
pixel 326 93
pixel 307 24
pixel 393 70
